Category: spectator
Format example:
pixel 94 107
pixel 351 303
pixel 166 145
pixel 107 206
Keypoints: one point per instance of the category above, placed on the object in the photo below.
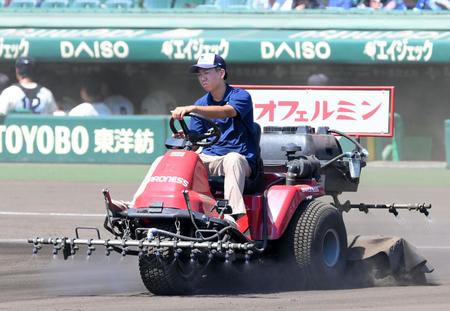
pixel 67 102
pixel 185 4
pixel 318 79
pixel 158 102
pixel 118 104
pixel 403 5
pixel 282 5
pixel 442 4
pixel 407 4
pixel 343 4
pixel 434 5
pixel 27 95
pixel 305 4
pixel 260 4
pixel 277 5
pixel 93 101
pixel 379 4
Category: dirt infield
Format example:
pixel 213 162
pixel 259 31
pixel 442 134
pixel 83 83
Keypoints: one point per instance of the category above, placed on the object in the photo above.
pixel 55 207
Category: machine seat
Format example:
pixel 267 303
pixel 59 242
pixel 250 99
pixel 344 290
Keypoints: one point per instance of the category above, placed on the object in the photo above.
pixel 253 184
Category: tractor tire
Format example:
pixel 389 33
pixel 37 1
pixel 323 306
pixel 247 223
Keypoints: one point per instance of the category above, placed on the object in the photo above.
pixel 317 244
pixel 163 275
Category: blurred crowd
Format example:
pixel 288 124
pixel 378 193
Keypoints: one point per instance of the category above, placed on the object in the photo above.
pixel 97 96
pixel 352 4
pixel 97 93
pixel 274 5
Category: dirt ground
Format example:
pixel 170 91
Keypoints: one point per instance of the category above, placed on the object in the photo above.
pixel 29 209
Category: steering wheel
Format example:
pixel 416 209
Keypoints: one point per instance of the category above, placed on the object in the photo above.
pixel 194 138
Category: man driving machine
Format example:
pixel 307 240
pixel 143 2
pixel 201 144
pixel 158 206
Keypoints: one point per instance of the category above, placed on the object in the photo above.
pixel 234 155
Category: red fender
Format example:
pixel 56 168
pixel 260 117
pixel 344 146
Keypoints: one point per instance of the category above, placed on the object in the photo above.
pixel 177 171
pixel 283 201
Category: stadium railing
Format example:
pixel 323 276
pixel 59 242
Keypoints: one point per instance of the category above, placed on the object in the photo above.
pixel 55 4
pixel 119 4
pixel 23 4
pixel 193 5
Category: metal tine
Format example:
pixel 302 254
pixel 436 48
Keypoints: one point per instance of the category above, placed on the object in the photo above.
pixel 127 246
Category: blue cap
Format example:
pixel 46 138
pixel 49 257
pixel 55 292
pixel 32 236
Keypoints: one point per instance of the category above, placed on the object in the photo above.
pixel 208 61
pixel 25 66
pixel 24 62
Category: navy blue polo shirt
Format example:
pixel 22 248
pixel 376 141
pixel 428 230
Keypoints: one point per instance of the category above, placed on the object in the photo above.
pixel 237 133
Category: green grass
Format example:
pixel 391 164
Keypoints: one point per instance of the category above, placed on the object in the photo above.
pixel 72 172
pixel 371 176
pixel 427 177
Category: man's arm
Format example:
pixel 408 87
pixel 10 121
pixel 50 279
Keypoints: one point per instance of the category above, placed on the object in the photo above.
pixel 210 112
pixel 4 104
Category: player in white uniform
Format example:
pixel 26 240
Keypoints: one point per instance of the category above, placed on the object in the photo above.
pixel 90 110
pixel 119 105
pixel 27 95
pixel 93 105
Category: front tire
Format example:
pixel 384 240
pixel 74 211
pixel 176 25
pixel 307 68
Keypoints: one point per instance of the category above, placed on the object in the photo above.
pixel 317 243
pixel 162 275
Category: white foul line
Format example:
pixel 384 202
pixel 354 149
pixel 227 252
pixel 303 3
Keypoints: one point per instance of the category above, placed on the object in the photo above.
pixel 50 214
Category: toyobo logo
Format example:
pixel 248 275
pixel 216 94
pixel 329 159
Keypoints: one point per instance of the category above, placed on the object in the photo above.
pixel 43 139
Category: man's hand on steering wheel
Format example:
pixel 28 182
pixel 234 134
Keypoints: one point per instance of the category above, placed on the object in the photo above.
pixel 179 112
pixel 202 140
pixel 179 134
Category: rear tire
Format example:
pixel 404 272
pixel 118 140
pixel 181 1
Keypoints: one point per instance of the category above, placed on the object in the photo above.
pixel 317 244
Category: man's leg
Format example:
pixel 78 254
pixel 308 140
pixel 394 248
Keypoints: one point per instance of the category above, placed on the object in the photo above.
pixel 235 168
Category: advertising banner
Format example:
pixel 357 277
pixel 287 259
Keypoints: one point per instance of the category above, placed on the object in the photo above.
pixel 131 139
pixel 362 111
pixel 261 46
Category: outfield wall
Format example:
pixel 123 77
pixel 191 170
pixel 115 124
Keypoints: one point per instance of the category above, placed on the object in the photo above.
pixel 131 140
pixel 134 140
pixel 146 54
